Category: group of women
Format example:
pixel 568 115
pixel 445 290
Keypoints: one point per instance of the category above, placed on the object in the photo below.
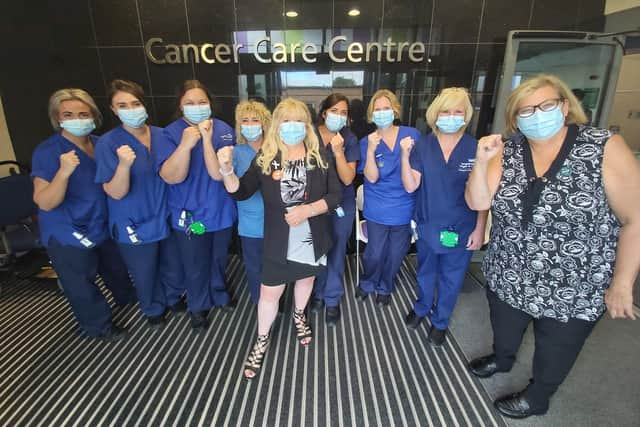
pixel 160 205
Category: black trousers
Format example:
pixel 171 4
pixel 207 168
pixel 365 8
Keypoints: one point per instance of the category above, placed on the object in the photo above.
pixel 557 345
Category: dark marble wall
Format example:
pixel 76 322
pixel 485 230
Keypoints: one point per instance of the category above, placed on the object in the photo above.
pixel 45 46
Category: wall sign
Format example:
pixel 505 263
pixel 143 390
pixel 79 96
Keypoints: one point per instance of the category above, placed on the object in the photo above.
pixel 339 51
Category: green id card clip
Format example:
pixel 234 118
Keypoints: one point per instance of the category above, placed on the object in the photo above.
pixel 449 239
pixel 196 228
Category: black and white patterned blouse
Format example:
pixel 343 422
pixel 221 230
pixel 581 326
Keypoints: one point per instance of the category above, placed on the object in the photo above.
pixel 553 239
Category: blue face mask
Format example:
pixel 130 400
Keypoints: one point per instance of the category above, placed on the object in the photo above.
pixel 78 127
pixel 196 113
pixel 293 133
pixel 541 125
pixel 450 123
pixel 251 132
pixel 133 117
pixel 383 118
pixel 335 122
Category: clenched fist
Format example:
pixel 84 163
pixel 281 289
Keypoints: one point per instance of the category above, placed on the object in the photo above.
pixel 406 145
pixel 337 143
pixel 374 140
pixel 190 137
pixel 488 147
pixel 206 129
pixel 225 158
pixel 69 161
pixel 126 156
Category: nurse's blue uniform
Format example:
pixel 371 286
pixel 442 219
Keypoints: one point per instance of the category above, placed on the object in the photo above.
pixel 440 206
pixel 200 198
pixel 388 209
pixel 329 285
pixel 77 240
pixel 250 223
pixel 139 221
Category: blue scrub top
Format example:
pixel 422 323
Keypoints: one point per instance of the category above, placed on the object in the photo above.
pixel 144 209
pixel 352 154
pixel 205 198
pixel 386 202
pixel 84 208
pixel 250 211
pixel 440 203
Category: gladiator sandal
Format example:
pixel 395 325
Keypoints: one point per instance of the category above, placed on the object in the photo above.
pixel 303 330
pixel 254 360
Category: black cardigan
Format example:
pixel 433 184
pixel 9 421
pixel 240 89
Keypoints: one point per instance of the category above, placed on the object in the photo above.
pixel 321 184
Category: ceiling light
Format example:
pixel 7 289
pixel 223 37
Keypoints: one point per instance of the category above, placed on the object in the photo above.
pixel 354 12
pixel 291 14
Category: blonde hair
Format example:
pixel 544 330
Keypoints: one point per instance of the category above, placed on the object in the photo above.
pixel 272 144
pixel 447 99
pixel 249 108
pixel 71 94
pixel 576 114
pixel 384 93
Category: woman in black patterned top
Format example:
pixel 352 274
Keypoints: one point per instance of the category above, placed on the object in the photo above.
pixel 299 185
pixel 565 202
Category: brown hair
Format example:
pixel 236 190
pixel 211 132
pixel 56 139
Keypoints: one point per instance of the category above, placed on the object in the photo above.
pixel 329 102
pixel 128 86
pixel 186 86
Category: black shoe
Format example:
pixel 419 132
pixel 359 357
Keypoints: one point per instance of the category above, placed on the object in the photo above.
pixel 199 321
pixel 112 333
pixel 228 307
pixel 383 300
pixel 413 320
pixel 517 406
pixel 332 315
pixel 316 305
pixel 484 367
pixel 156 322
pixel 179 307
pixel 437 336
pixel 361 295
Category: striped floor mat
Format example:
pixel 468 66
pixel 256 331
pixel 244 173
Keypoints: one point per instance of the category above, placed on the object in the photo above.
pixel 368 371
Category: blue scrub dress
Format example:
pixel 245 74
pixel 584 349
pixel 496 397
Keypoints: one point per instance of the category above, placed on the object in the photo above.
pixel 440 206
pixel 329 285
pixel 200 198
pixel 139 222
pixel 77 241
pixel 250 223
pixel 388 209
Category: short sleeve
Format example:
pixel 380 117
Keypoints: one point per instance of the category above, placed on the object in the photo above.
pixel 223 135
pixel 364 142
pixel 352 148
pixel 106 162
pixel 415 158
pixel 44 164
pixel 163 148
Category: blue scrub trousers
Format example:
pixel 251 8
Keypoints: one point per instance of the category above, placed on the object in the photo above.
pixel 77 269
pixel 154 268
pixel 252 249
pixel 329 285
pixel 383 255
pixel 204 260
pixel 446 271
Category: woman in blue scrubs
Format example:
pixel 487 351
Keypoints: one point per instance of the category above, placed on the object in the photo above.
pixel 73 214
pixel 388 208
pixel 342 145
pixel 137 200
pixel 252 121
pixel 436 170
pixel 202 213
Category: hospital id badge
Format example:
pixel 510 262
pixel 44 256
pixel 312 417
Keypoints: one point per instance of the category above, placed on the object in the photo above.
pixel 84 241
pixel 449 239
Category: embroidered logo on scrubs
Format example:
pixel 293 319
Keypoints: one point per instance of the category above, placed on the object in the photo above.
pixel 227 137
pixel 466 166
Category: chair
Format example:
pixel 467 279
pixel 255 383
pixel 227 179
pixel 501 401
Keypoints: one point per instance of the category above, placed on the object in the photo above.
pixel 18 232
pixel 361 229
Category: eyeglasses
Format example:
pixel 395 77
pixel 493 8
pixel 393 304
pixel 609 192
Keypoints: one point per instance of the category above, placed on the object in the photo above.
pixel 546 105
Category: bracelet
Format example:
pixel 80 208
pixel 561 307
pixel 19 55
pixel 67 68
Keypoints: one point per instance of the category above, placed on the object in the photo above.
pixel 227 173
